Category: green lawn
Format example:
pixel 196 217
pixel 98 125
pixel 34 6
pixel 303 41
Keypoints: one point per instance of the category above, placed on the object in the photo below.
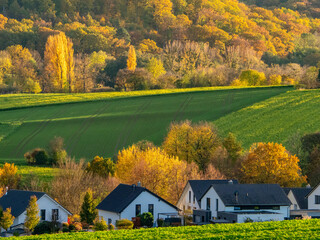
pixel 294 229
pixel 106 126
pixel 275 119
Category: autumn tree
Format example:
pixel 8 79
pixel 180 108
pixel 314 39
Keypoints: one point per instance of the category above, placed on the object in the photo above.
pixel 88 211
pixel 7 219
pixel 32 214
pixel 155 67
pixel 252 78
pixel 132 59
pixel 9 176
pixel 59 65
pixel 233 146
pixel 103 167
pixel 271 163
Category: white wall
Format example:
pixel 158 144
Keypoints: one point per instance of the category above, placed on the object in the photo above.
pixel 109 215
pixel 48 204
pixel 260 217
pixel 211 193
pixel 183 201
pixel 293 201
pixel 311 199
pixel 144 199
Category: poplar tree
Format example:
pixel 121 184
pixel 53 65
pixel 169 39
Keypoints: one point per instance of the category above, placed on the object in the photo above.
pixel 59 65
pixel 7 219
pixel 132 59
pixel 88 211
pixel 32 215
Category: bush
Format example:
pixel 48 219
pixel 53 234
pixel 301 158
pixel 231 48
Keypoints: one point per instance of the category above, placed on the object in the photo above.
pixel 124 224
pixel 147 219
pixel 43 228
pixel 160 222
pixel 111 227
pixel 252 78
pixel 101 225
pixel 37 156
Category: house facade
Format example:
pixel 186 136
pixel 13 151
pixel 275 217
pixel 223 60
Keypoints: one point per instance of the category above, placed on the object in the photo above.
pixel 128 201
pixel 238 203
pixel 18 201
pixel 194 189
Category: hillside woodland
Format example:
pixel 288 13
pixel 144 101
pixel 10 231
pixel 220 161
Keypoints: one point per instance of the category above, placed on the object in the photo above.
pixel 107 45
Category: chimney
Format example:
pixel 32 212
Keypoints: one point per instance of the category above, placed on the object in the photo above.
pixel 133 187
pixel 139 184
pixel 236 194
pixel 308 186
pixel 230 182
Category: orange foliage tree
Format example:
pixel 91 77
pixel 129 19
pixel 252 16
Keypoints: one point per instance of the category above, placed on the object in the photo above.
pixel 271 163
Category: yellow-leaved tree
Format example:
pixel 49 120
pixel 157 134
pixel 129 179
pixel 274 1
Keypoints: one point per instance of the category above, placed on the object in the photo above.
pixel 271 163
pixel 156 170
pixel 59 65
pixel 132 59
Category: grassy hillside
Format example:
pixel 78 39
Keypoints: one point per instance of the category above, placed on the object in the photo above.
pixel 295 229
pixel 275 119
pixel 106 126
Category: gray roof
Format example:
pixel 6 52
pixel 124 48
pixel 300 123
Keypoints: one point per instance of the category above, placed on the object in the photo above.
pixel 300 195
pixel 199 187
pixel 122 196
pixel 251 194
pixel 18 200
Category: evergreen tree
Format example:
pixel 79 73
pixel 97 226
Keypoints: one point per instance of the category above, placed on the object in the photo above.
pixel 88 211
pixel 233 146
pixel 7 219
pixel 132 59
pixel 32 215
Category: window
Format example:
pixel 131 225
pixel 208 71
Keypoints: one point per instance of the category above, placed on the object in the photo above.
pixel 217 205
pixel 189 196
pixel 109 221
pixel 138 209
pixel 150 208
pixel 317 199
pixel 194 199
pixel 276 208
pixel 43 214
pixel 55 214
pixel 237 208
pixel 208 203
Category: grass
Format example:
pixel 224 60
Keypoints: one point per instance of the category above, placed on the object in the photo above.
pixel 294 229
pixel 14 101
pixel 104 127
pixel 275 119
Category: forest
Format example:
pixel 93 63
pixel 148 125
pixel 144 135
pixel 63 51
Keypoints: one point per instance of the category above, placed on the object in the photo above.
pixel 108 45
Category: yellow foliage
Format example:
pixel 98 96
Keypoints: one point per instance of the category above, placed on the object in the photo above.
pixel 9 176
pixel 132 59
pixel 271 163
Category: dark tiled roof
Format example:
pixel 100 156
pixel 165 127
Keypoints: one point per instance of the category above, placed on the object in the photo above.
pixel 18 200
pixel 300 196
pixel 199 187
pixel 122 196
pixel 251 194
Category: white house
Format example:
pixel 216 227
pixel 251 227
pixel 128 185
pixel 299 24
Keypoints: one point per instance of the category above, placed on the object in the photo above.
pixel 193 191
pixel 242 202
pixel 18 201
pixel 305 202
pixel 128 201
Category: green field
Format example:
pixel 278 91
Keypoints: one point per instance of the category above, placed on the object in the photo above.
pixel 294 229
pixel 105 126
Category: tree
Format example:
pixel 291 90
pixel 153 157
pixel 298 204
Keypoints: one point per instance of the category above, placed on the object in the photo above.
pixel 271 163
pixel 88 211
pixel 132 59
pixel 147 219
pixel 313 167
pixel 233 146
pixel 56 150
pixel 9 176
pixel 32 214
pixel 59 66
pixel 252 78
pixel 7 219
pixel 155 67
pixel 104 167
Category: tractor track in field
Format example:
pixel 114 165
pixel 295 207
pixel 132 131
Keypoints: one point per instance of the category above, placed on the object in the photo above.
pixel 123 137
pixel 85 125
pixel 180 112
pixel 25 141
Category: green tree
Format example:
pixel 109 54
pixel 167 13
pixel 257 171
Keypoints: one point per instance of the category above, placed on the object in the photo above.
pixel 103 167
pixel 155 67
pixel 233 146
pixel 252 78
pixel 7 219
pixel 88 211
pixel 147 219
pixel 32 215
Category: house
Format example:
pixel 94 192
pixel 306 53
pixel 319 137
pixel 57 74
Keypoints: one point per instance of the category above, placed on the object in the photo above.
pixel 128 201
pixel 194 189
pixel 18 201
pixel 305 202
pixel 239 203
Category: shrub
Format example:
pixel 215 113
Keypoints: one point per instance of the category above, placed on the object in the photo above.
pixel 124 224
pixel 111 227
pixel 101 225
pixel 252 78
pixel 160 222
pixel 147 219
pixel 37 156
pixel 43 228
